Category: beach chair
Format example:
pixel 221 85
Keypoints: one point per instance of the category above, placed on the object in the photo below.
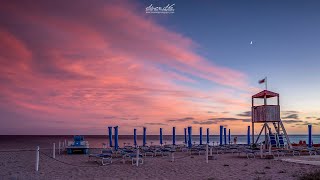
pixel 312 151
pixel 165 151
pixel 105 157
pixel 202 150
pixel 219 149
pixel 248 152
pixel 280 152
pixel 184 148
pixel 296 150
pixel 146 151
pixel 178 147
pixel 196 150
pixel 133 158
pixel 235 148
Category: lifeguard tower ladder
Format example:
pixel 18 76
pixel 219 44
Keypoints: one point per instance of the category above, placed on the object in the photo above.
pixel 267 114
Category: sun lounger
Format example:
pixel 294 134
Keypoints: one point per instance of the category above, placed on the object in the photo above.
pixel 133 158
pixel 249 153
pixel 157 152
pixel 103 158
pixel 147 151
pixel 302 150
pixel 235 149
pixel 312 151
pixel 280 152
pixel 184 149
pixel 165 151
pixel 219 149
pixel 296 151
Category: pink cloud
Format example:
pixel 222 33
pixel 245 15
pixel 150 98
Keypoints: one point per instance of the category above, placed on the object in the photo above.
pixel 110 60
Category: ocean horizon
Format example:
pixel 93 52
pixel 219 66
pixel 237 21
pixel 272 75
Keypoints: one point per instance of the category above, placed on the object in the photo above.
pixel 97 141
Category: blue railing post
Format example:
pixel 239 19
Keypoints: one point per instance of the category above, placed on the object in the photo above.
pixel 173 135
pixel 116 142
pixel 161 136
pixel 248 136
pixel 229 137
pixel 309 135
pixel 200 136
pixel 110 135
pixel 208 136
pixel 185 136
pixel 189 136
pixel 144 136
pixel 225 135
pixel 221 131
pixel 135 137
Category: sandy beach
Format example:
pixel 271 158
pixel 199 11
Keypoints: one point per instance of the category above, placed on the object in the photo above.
pixel 91 88
pixel 21 165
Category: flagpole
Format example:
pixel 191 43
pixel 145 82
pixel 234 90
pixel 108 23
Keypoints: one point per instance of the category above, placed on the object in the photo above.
pixel 266 83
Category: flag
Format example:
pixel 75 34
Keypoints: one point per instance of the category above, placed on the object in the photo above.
pixel 262 81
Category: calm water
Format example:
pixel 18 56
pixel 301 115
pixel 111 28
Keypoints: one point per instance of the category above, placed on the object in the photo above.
pixel 97 141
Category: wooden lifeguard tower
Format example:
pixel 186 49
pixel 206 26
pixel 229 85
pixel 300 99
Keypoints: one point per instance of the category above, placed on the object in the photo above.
pixel 268 114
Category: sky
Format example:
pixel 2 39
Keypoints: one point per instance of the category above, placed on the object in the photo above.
pixel 77 67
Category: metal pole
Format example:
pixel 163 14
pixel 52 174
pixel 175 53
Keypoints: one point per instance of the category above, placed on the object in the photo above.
pixel 144 136
pixel 207 151
pixel 173 135
pixel 261 150
pixel 54 150
pixel 116 142
pixel 269 149
pixel 200 135
pixel 59 146
pixel 248 135
pixel 137 157
pixel 229 137
pixel 265 136
pixel 221 132
pixel 37 158
pixel 172 156
pixel 185 136
pixel 225 135
pixel 266 83
pixel 110 136
pixel 309 135
pixel 207 135
pixel 161 136
pixel 189 137
pixel 252 119
pixel 135 137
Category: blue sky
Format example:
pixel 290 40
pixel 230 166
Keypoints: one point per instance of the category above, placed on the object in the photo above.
pixel 285 35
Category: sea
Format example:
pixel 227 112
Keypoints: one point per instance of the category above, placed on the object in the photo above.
pixel 98 141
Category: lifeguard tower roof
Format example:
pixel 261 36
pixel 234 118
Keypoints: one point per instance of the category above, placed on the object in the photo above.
pixel 266 93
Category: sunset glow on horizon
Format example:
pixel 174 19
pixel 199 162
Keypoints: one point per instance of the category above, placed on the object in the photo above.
pixel 77 67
